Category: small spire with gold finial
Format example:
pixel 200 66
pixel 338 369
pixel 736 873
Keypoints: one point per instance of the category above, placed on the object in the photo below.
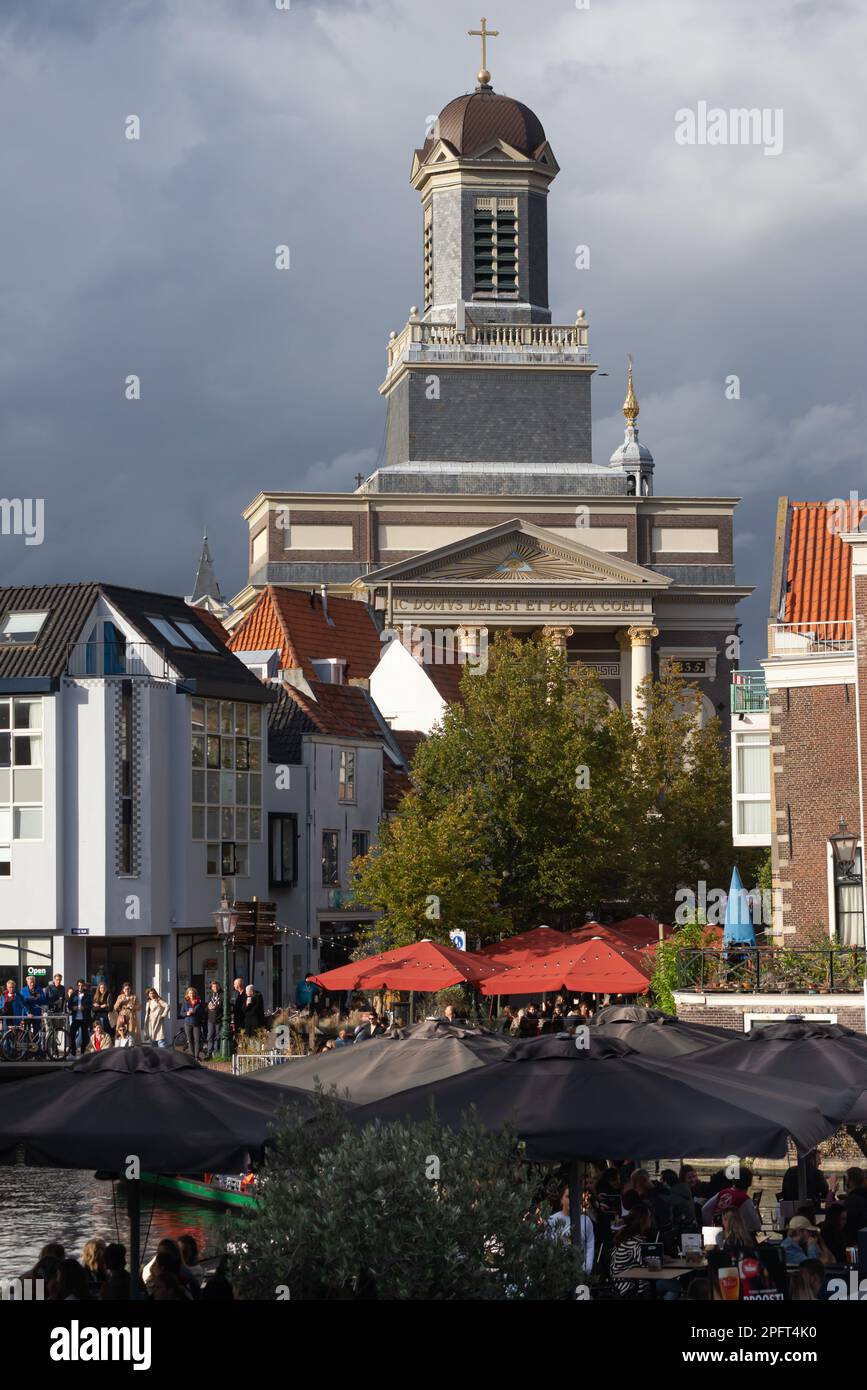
pixel 484 77
pixel 630 405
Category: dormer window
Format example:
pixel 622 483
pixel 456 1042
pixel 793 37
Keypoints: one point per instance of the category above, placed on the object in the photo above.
pixel 330 670
pixel 21 627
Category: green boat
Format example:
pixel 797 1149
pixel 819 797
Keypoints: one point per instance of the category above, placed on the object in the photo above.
pixel 218 1191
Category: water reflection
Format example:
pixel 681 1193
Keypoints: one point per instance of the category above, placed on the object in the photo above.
pixel 42 1204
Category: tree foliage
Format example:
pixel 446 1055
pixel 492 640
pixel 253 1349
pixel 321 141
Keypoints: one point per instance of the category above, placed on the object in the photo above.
pixel 535 801
pixel 397 1212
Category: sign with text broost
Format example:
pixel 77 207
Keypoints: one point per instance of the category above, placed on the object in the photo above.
pixel 531 607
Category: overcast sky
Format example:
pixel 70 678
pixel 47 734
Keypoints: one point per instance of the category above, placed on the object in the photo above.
pixel 262 126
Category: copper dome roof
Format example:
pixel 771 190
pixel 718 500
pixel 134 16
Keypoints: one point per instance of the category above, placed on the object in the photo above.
pixel 471 122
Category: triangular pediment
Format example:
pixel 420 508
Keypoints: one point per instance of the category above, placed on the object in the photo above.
pixel 517 553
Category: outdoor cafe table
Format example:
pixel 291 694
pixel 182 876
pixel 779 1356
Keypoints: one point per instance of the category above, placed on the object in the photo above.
pixel 671 1269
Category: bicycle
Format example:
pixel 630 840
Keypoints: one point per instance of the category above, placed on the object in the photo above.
pixel 20 1042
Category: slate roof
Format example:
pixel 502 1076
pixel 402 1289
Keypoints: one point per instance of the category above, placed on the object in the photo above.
pixel 817 578
pixel 216 673
pixel 293 622
pixel 67 606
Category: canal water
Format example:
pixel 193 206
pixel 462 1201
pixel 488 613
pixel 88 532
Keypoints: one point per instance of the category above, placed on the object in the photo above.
pixel 42 1204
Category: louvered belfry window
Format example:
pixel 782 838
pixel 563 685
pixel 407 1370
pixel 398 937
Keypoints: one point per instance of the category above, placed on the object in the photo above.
pixel 495 246
pixel 428 257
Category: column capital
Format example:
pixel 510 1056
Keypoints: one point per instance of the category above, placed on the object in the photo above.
pixel 642 636
pixel 558 633
pixel 622 638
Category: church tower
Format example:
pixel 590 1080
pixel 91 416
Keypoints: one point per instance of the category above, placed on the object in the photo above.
pixel 483 392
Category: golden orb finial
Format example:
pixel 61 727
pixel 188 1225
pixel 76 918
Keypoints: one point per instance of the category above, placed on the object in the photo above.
pixel 630 405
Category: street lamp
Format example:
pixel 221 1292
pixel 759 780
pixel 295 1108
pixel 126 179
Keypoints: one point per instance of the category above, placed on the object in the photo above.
pixel 844 845
pixel 226 922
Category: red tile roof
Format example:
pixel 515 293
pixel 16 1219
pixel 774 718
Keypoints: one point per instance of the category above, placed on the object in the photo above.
pixel 293 622
pixel 445 676
pixel 818 578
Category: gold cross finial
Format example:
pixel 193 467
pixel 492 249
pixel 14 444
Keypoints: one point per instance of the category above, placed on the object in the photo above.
pixel 630 405
pixel 484 34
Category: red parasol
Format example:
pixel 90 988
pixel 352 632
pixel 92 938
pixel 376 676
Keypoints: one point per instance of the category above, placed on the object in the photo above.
pixel 593 965
pixel 425 966
pixel 529 945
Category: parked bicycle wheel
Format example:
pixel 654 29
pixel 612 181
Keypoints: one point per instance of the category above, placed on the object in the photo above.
pixel 14 1045
pixel 57 1044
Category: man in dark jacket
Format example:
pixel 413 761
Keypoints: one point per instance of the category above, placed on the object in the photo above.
pixel 80 1008
pixel 55 996
pixel 254 1011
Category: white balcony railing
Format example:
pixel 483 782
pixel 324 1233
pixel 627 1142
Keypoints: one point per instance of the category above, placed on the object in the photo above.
pixel 810 639
pixel 490 342
pixel 116 659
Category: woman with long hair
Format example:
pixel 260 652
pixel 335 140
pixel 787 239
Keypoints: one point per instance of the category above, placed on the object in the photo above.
pixel 103 1003
pixel 627 1251
pixel 193 1018
pixel 127 1006
pixel 155 1015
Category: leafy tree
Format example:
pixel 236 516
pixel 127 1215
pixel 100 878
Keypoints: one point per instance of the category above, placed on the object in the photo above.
pixel 536 801
pixel 397 1212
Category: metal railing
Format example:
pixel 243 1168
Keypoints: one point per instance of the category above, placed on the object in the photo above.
pixel 749 694
pixel 771 969
pixel 106 659
pixel 245 1062
pixel 810 639
pixel 521 342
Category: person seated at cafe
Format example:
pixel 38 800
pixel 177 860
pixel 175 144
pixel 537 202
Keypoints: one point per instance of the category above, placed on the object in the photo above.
pixel 803 1242
pixel 683 1189
pixel 560 1224
pixel 529 1024
pixel 855 1203
pixel 100 1039
pixel 507 1019
pixel 640 1188
pixel 834 1232
pixel 626 1253
pixel 736 1194
pixel 609 1183
pixel 733 1235
pixel 811 1282
pixel 817 1186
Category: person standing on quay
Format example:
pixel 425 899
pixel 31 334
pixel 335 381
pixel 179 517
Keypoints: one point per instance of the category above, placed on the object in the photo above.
pixel 127 1007
pixel 155 1015
pixel 80 1007
pixel 193 1019
pixel 215 1017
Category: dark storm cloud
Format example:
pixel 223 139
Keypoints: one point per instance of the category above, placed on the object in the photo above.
pixel 262 127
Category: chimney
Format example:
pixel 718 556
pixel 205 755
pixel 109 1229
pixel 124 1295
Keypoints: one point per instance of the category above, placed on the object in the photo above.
pixel 323 593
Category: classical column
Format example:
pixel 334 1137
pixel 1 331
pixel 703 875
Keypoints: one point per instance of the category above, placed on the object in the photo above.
pixel 624 642
pixel 559 634
pixel 640 638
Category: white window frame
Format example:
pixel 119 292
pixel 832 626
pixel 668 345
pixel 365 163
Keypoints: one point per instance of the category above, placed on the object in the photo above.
pixel 346 781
